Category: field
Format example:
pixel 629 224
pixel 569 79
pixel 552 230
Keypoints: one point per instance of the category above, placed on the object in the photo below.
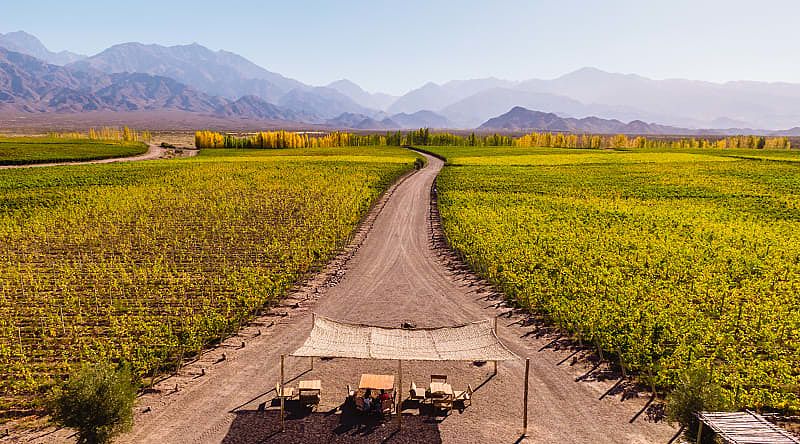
pixel 664 260
pixel 31 150
pixel 150 261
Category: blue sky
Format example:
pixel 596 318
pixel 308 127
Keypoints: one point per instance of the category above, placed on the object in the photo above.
pixel 395 46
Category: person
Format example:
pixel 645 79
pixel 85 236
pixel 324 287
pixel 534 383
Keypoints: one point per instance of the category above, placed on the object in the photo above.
pixel 368 400
pixel 383 397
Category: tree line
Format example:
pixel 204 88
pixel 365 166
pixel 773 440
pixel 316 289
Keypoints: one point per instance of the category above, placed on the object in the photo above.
pixel 125 134
pixel 424 137
pixel 285 139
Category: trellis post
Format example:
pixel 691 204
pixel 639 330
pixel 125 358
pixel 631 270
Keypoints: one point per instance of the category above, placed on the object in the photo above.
pixel 494 363
pixel 525 407
pixel 699 430
pixel 283 390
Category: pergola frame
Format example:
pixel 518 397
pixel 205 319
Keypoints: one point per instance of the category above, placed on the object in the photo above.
pixel 471 342
pixel 743 428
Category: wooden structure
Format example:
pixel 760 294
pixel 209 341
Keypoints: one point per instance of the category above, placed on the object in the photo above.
pixel 472 342
pixel 308 392
pixel 440 393
pixel 376 382
pixel 744 428
pixel 373 384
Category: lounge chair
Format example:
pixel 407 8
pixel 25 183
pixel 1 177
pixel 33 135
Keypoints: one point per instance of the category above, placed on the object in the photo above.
pixel 309 399
pixel 443 402
pixel 417 393
pixel 359 403
pixel 465 397
pixel 387 406
pixel 439 378
pixel 287 393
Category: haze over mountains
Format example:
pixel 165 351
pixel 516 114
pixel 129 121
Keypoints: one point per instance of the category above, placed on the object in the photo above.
pixel 194 79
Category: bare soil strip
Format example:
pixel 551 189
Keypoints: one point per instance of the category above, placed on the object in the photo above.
pixel 153 152
pixel 397 269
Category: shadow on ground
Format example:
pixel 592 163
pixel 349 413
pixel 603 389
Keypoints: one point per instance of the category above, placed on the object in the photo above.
pixel 303 426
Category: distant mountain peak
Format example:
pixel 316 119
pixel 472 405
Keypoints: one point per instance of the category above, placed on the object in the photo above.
pixel 592 73
pixel 357 94
pixel 24 43
pixel 345 82
pixel 523 119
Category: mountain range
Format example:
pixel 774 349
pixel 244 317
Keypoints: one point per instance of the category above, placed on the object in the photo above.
pixel 192 78
pixel 30 85
pixel 522 119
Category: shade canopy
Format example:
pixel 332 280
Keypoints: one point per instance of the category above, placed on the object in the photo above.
pixel 470 342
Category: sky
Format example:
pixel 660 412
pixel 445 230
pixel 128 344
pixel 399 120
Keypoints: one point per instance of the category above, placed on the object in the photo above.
pixel 395 46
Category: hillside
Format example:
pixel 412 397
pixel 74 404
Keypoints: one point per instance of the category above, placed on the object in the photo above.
pixel 221 73
pixel 522 119
pixel 30 85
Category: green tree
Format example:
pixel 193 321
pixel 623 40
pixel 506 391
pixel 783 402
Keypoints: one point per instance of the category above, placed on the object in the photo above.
pixel 97 401
pixel 694 392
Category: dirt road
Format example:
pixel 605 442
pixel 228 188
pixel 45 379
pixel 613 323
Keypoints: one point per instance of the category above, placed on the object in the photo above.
pixel 395 271
pixel 153 152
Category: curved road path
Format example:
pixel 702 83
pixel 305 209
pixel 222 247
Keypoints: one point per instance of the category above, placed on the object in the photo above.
pixel 395 271
pixel 153 152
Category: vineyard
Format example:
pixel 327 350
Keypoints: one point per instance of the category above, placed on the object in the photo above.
pixel 30 150
pixel 663 261
pixel 149 262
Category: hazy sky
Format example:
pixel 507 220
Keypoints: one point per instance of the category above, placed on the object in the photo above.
pixel 395 46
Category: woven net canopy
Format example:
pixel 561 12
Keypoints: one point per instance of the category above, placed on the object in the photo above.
pixel 470 342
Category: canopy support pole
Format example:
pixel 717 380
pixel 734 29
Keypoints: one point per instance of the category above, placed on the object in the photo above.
pixel 283 391
pixel 399 395
pixel 313 321
pixel 525 407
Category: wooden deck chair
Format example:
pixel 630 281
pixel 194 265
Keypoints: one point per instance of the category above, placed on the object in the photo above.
pixel 309 399
pixel 287 393
pixel 416 393
pixel 443 403
pixel 359 403
pixel 465 397
pixel 387 406
pixel 439 378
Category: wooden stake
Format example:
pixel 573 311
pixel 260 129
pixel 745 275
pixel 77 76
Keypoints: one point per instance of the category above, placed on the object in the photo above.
pixel 525 407
pixel 399 395
pixel 652 382
pixel 699 431
pixel 494 363
pixel 283 390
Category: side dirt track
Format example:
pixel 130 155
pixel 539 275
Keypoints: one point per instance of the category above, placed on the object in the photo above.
pixel 397 269
pixel 153 152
